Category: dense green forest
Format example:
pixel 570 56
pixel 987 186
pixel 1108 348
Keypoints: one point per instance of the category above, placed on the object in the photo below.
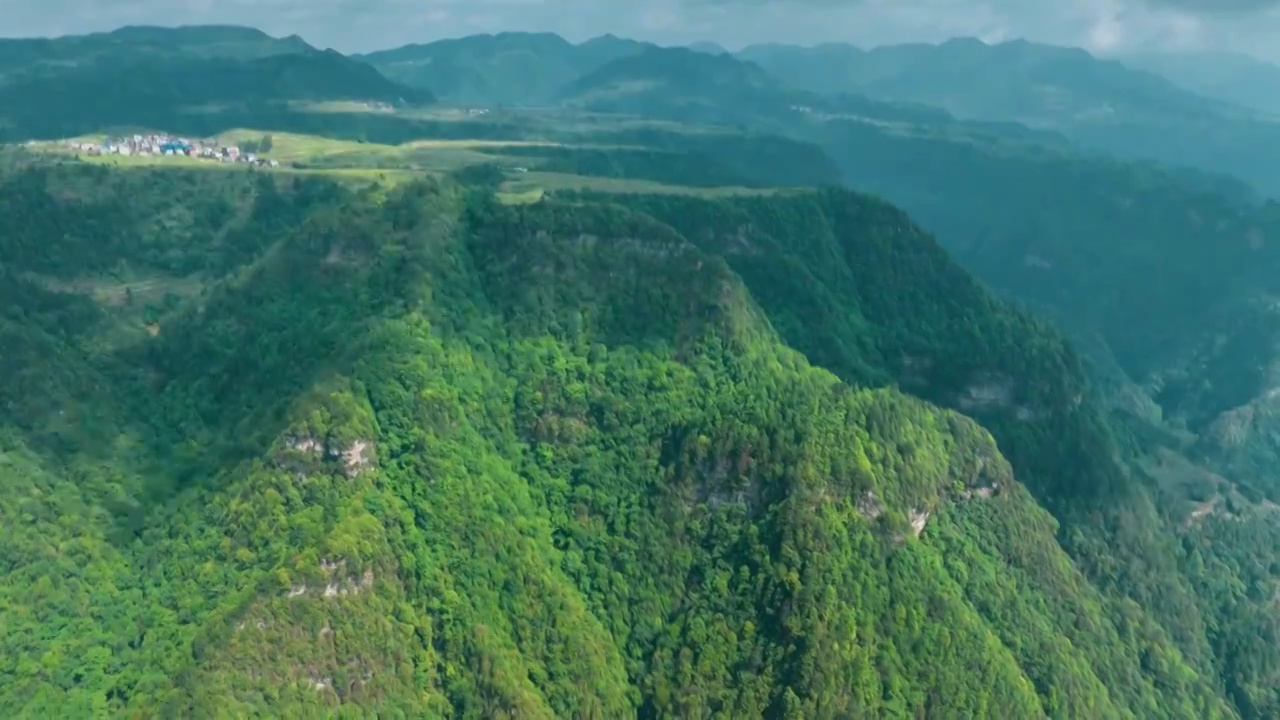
pixel 1162 277
pixel 425 453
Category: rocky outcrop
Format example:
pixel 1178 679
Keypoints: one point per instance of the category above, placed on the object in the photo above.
pixel 919 518
pixel 301 453
pixel 338 583
pixel 869 506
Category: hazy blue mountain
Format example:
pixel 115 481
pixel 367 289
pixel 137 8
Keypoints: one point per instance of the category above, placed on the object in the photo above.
pixel 206 41
pixel 1230 77
pixel 506 68
pixel 685 85
pixel 1101 103
pixel 156 77
pixel 1021 81
pixel 708 47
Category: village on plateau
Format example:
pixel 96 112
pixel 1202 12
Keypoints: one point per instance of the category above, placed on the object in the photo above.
pixel 165 145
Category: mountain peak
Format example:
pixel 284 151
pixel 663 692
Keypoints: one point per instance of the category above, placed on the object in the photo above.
pixel 968 41
pixel 144 33
pixel 708 47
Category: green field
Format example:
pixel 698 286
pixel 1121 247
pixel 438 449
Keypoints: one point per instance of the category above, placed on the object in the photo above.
pixel 364 162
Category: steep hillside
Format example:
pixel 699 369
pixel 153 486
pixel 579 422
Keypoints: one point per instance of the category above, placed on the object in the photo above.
pixel 1068 234
pixel 1061 231
pixel 427 454
pixel 1099 103
pixel 1082 239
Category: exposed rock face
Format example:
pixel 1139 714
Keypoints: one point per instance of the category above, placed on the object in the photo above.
pixel 870 507
pixel 354 458
pixel 982 484
pixel 339 583
pixel 919 519
pixel 308 445
pixel 999 393
pixel 357 457
pixel 986 493
pixel 988 393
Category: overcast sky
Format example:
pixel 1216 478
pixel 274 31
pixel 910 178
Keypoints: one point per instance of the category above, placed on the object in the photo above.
pixel 1251 26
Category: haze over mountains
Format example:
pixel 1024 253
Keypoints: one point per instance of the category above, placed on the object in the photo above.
pixel 1102 104
pixel 139 75
pixel 605 379
pixel 1230 77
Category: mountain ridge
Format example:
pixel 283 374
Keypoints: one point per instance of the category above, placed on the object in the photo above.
pixel 1231 77
pixel 503 68
pixel 171 77
pixel 1099 103
pixel 231 41
pixel 399 373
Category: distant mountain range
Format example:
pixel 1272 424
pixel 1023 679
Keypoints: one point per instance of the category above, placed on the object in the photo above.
pixel 1226 76
pixel 1020 81
pixel 685 85
pixel 502 69
pixel 1204 113
pixel 146 75
pixel 1025 91
pixel 1100 103
pixel 206 41
pixel 710 48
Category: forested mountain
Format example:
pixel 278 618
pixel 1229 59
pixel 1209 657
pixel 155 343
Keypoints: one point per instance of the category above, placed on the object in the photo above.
pixel 430 454
pixel 1068 233
pixel 154 76
pixel 688 86
pixel 1100 103
pixel 157 43
pixel 1167 279
pixel 684 85
pixel 1018 80
pixel 503 69
pixel 707 438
